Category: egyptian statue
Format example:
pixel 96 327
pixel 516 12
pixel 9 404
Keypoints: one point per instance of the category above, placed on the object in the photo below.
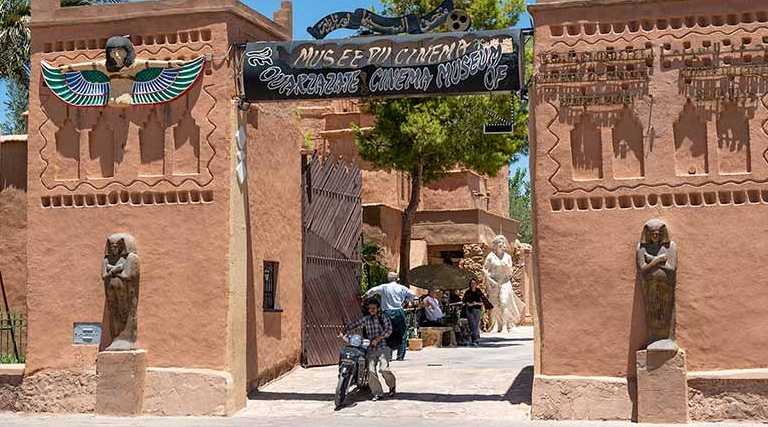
pixel 120 272
pixel 122 80
pixel 657 264
pixel 499 269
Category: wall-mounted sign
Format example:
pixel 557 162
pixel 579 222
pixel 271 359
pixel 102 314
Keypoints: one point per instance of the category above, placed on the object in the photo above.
pixel 718 72
pixel 384 66
pixel 613 98
pixel 615 55
pixel 86 334
pixel 557 77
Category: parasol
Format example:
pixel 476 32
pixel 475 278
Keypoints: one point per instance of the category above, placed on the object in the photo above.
pixel 440 277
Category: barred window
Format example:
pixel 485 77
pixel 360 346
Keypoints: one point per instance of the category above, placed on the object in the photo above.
pixel 270 284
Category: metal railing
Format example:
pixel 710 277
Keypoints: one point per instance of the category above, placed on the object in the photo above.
pixel 13 336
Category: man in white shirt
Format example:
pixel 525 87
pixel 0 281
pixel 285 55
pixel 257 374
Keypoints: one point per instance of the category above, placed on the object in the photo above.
pixel 432 310
pixel 393 295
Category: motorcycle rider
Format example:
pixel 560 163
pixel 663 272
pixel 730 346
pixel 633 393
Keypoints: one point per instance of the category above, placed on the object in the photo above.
pixel 377 328
pixel 393 296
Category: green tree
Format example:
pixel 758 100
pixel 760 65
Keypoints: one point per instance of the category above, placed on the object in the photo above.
pixel 17 103
pixel 427 137
pixel 14 39
pixel 520 203
pixel 374 271
pixel 485 14
pixel 14 49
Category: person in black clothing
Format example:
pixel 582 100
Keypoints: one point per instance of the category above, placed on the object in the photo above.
pixel 474 300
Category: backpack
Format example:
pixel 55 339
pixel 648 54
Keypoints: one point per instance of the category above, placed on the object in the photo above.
pixel 395 339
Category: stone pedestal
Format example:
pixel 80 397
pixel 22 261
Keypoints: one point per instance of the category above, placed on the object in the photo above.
pixel 662 387
pixel 120 384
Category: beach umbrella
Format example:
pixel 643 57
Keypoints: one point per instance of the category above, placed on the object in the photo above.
pixel 440 277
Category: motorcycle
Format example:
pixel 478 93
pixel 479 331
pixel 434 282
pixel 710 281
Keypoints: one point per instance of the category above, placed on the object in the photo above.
pixel 352 366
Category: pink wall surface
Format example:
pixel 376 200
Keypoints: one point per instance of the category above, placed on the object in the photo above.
pixel 13 226
pixel 665 150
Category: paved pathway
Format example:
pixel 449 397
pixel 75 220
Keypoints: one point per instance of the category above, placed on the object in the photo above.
pixel 492 381
pixel 7 420
pixel 452 387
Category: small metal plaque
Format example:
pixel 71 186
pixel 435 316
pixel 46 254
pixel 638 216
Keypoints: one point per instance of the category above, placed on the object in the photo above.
pixel 86 334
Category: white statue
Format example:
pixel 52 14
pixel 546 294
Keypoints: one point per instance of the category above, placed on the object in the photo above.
pixel 498 270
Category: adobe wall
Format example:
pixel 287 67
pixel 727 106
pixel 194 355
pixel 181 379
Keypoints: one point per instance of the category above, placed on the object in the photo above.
pixel 458 190
pixel 618 141
pixel 382 224
pixel 388 187
pixel 498 193
pixel 180 285
pixel 164 174
pixel 13 227
pixel 274 200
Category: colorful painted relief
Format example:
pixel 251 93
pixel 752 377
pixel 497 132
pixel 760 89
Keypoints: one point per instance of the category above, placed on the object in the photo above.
pixel 121 80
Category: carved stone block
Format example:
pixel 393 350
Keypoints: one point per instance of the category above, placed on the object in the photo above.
pixel 436 336
pixel 120 384
pixel 662 387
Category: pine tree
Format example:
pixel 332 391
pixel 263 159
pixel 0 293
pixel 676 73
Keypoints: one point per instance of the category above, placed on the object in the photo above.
pixel 427 137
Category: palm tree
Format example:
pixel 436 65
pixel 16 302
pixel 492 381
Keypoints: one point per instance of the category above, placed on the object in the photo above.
pixel 14 39
pixel 14 55
pixel 14 35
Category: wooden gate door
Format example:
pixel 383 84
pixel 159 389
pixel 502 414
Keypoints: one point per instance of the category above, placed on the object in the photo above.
pixel 333 221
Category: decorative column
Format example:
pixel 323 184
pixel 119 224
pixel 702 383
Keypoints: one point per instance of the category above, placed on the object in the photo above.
pixel 528 284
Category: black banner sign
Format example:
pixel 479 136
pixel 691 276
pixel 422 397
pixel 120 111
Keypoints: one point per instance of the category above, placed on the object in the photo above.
pixel 385 66
pixel 367 20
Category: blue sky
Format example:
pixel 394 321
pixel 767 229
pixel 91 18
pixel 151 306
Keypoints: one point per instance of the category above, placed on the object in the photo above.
pixel 305 14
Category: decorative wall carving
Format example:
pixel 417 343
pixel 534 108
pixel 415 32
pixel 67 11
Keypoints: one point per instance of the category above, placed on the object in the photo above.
pixel 151 146
pixel 67 163
pixel 690 130
pixel 662 23
pixel 692 198
pixel 174 148
pixel 586 151
pixel 714 132
pixel 628 153
pixel 132 198
pixel 179 37
pixel 186 148
pixel 101 150
pixel 99 147
pixel 733 152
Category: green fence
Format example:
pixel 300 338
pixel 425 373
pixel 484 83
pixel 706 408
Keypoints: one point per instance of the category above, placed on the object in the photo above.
pixel 13 327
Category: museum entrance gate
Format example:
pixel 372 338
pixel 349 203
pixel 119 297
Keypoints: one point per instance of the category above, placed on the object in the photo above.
pixel 375 66
pixel 333 222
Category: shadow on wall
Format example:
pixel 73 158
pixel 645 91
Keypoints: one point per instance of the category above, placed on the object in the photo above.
pixel 586 151
pixel 638 339
pixel 251 347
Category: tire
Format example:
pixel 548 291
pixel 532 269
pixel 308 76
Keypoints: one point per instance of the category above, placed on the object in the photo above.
pixel 341 389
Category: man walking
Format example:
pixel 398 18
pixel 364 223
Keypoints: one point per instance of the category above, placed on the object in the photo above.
pixel 377 328
pixel 393 296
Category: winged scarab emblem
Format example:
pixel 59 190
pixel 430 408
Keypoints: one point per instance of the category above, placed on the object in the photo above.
pixel 121 80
